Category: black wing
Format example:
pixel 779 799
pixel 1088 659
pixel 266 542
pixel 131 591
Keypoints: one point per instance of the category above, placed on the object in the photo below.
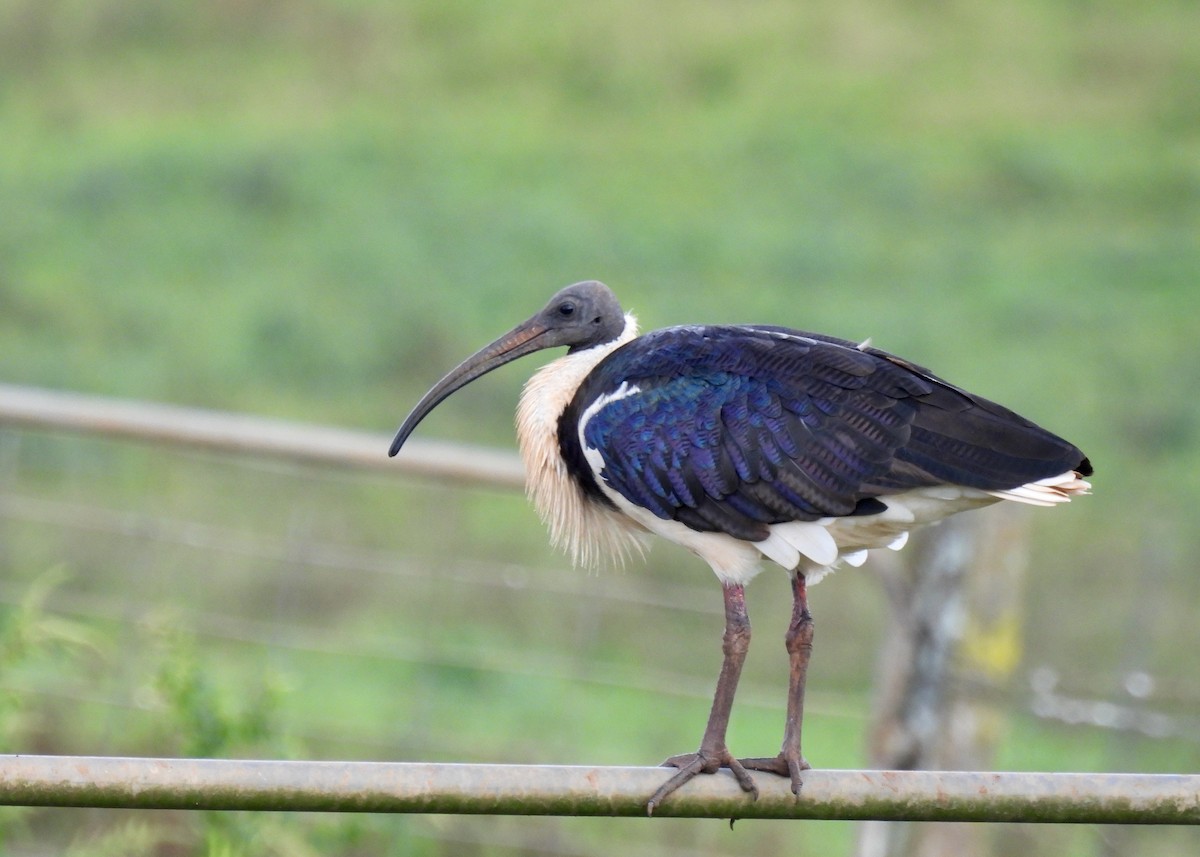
pixel 732 429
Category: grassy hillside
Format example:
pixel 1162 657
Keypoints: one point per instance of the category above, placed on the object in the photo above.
pixel 311 209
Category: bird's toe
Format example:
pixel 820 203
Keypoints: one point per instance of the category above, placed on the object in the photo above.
pixel 796 769
pixel 687 760
pixel 702 762
pixel 783 765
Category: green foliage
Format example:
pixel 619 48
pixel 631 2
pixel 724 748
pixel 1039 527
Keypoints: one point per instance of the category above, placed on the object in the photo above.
pixel 35 645
pixel 130 839
pixel 203 715
pixel 29 638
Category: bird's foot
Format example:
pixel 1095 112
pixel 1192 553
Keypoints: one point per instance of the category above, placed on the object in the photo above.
pixel 701 762
pixel 785 765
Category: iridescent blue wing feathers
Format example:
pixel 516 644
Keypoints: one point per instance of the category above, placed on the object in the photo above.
pixel 732 429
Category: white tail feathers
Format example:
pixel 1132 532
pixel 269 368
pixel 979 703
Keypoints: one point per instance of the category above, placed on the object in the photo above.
pixel 818 545
pixel 1047 492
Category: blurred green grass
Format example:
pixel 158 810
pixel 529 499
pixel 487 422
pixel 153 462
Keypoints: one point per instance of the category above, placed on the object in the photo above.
pixel 311 209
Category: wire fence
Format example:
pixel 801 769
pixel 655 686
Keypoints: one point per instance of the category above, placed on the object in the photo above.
pixel 1044 697
pixel 1168 799
pixel 288 633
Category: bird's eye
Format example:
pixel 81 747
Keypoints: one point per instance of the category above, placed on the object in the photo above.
pixel 566 310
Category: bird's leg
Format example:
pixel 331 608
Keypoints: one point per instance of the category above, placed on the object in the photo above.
pixel 798 640
pixel 713 753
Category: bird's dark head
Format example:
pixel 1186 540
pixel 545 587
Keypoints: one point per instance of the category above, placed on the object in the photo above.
pixel 581 316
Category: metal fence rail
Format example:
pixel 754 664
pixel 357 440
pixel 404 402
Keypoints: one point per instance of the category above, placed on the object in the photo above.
pixel 140 783
pixel 36 408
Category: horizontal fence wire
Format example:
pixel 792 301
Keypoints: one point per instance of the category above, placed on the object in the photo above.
pixel 150 422
pixel 323 554
pixel 211 784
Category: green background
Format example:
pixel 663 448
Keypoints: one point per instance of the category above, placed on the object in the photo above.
pixel 310 210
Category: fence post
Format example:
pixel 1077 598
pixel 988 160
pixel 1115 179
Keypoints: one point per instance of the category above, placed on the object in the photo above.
pixel 954 634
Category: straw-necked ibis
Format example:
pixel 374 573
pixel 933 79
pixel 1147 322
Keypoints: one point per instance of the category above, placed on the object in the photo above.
pixel 750 442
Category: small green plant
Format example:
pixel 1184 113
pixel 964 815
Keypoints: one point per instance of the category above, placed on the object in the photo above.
pixel 33 642
pixel 209 715
pixel 29 633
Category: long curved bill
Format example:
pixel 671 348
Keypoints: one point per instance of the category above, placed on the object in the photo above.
pixel 523 339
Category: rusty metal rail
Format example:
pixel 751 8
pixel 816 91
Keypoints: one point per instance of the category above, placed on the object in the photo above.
pixel 37 408
pixel 142 783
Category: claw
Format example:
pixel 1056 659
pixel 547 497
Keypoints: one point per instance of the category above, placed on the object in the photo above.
pixel 691 764
pixel 796 768
pixel 784 766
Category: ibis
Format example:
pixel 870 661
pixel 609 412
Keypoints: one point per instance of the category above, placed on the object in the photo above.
pixel 746 444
